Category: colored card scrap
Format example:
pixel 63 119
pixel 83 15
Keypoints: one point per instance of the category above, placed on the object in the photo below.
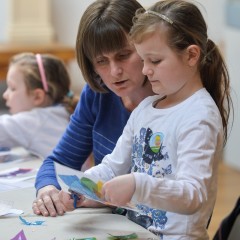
pixel 25 222
pixel 81 184
pixel 15 172
pixel 14 178
pixel 20 236
pixel 123 237
pixel 84 186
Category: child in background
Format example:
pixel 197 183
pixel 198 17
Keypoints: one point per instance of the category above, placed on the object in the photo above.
pixel 172 142
pixel 39 100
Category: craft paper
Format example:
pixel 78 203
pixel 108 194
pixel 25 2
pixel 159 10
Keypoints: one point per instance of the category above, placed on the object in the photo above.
pixel 20 236
pixel 6 209
pixel 15 178
pixel 91 238
pixel 25 222
pixel 15 172
pixel 123 237
pixel 78 183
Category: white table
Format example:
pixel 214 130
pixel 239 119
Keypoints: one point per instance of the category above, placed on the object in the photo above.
pixel 81 223
pixel 73 225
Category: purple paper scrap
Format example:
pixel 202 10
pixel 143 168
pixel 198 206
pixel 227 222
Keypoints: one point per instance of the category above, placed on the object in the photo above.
pixel 20 236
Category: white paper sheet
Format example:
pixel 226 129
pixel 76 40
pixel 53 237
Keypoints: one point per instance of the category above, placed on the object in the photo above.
pixel 6 209
pixel 14 178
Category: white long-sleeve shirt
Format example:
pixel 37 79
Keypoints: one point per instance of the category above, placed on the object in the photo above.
pixel 38 130
pixel 173 154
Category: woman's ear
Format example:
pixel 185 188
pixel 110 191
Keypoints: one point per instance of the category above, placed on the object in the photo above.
pixel 38 97
pixel 193 53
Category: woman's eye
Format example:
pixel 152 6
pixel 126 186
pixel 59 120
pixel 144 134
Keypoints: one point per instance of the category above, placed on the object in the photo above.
pixel 101 62
pixel 124 55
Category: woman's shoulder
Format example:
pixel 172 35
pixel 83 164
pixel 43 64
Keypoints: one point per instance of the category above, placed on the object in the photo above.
pixel 91 97
pixel 87 91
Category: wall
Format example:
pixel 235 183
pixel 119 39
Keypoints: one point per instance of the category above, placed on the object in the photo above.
pixel 232 45
pixel 3 19
pixel 66 16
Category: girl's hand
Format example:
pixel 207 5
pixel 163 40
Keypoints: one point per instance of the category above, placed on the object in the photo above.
pixel 67 201
pixel 119 190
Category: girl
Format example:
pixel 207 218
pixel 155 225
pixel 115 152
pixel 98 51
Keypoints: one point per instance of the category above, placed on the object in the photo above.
pixel 39 103
pixel 172 142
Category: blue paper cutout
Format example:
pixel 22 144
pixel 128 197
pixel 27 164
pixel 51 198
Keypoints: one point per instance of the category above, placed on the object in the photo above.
pixel 25 222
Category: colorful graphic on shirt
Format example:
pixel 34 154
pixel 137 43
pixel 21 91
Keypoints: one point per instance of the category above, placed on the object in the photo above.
pixel 150 156
pixel 155 142
pixel 153 146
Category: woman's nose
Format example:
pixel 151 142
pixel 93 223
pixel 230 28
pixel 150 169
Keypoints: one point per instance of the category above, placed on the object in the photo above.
pixel 116 69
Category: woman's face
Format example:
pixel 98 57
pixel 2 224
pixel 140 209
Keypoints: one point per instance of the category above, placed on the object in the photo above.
pixel 121 71
pixel 16 96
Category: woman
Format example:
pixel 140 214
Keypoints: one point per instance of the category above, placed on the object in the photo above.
pixel 115 86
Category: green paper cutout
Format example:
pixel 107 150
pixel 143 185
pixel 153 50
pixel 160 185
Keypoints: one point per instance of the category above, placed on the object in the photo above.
pixel 122 237
pixel 91 238
pixel 91 185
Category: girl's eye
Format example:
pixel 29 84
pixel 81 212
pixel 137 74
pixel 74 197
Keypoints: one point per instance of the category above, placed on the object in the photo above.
pixel 10 88
pixel 156 61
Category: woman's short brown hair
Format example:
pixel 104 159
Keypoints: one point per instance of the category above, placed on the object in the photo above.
pixel 103 28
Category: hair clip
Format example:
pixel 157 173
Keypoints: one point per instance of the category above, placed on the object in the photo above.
pixel 165 18
pixel 70 94
pixel 42 72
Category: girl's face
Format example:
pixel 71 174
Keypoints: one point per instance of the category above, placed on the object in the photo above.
pixel 121 71
pixel 169 73
pixel 16 96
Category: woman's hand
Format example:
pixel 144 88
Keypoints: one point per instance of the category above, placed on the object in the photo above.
pixel 119 190
pixel 48 203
